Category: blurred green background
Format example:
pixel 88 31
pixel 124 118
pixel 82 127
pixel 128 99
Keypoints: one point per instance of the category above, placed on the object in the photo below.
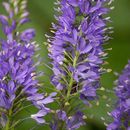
pixel 41 14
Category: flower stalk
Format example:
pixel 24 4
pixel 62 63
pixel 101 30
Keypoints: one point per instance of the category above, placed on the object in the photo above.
pixel 72 79
pixel 8 124
pixel 121 112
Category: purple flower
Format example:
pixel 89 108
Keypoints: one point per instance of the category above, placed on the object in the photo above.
pixel 27 35
pixel 54 126
pixel 40 101
pixel 88 94
pixel 39 116
pixel 75 121
pixel 70 123
pixel 61 115
pixel 121 114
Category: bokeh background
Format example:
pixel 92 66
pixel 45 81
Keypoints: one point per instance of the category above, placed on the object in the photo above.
pixel 41 14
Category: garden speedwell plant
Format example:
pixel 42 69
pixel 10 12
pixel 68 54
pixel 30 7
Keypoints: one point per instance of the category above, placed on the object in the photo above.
pixel 78 55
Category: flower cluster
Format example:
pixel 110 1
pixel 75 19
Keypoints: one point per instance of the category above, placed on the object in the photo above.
pixel 121 114
pixel 72 122
pixel 76 49
pixel 17 69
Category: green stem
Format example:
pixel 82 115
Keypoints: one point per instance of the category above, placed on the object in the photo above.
pixel 61 126
pixel 8 123
pixel 71 79
pixel 70 85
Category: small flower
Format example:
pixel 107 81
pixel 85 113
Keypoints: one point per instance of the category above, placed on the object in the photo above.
pixel 88 93
pixel 39 116
pixel 61 115
pixel 27 35
pixel 75 121
pixel 40 101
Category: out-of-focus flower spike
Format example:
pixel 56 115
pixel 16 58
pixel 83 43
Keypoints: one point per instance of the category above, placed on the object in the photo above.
pixel 39 116
pixel 121 113
pixel 17 69
pixel 12 22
